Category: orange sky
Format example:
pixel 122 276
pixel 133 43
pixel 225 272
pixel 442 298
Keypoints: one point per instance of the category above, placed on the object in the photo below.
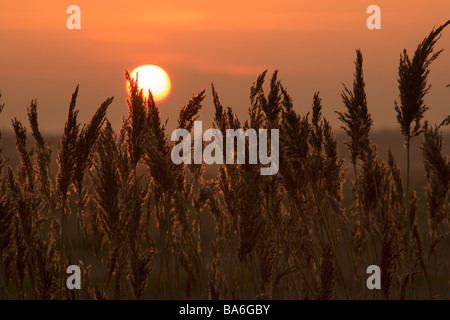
pixel 198 42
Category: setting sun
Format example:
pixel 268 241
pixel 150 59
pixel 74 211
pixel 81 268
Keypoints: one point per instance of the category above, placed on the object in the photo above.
pixel 153 78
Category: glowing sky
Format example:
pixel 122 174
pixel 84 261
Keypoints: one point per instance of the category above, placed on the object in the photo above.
pixel 312 44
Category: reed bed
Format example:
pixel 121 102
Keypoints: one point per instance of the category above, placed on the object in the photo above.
pixel 141 227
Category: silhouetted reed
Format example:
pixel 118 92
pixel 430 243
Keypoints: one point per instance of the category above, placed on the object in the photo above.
pixel 142 227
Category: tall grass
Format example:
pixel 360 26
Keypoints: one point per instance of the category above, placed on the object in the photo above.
pixel 141 227
pixel 413 87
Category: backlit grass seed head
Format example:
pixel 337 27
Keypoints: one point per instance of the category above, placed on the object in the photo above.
pixel 413 84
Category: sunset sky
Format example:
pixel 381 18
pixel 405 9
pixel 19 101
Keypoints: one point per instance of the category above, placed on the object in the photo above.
pixel 311 43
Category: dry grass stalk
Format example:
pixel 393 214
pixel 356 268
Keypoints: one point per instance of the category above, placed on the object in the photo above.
pixel 413 87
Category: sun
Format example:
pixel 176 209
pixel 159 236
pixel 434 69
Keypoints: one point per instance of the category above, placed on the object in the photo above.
pixel 153 78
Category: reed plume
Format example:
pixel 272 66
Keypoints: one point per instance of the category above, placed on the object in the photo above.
pixel 413 86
